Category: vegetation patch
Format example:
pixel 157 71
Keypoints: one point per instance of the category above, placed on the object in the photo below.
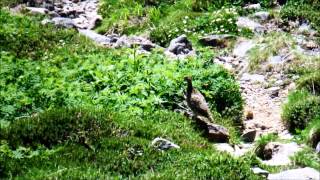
pixel 122 150
pixel 302 107
pixel 303 10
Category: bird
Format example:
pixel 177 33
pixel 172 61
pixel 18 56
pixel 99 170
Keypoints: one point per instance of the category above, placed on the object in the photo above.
pixel 196 101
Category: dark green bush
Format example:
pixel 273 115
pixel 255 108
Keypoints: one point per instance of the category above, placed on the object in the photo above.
pixel 58 126
pixel 123 149
pixel 301 108
pixel 22 37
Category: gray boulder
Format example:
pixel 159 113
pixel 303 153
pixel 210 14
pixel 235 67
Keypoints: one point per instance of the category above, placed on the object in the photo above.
pixel 63 22
pixel 163 144
pixel 180 47
pixel 213 132
pixel 278 154
pixel 252 6
pixel 98 38
pixel 263 15
pixel 244 22
pixel 253 77
pixel 259 171
pixel 249 136
pixel 296 174
pixel 135 41
pixel 36 10
pixel 242 48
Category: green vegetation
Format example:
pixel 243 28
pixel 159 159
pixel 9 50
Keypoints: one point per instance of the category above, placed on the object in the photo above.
pixel 56 68
pixel 307 158
pixel 310 82
pixel 168 20
pixel 303 10
pixel 302 107
pixel 94 76
pixel 72 109
pixel 268 46
pixel 10 3
pixel 97 144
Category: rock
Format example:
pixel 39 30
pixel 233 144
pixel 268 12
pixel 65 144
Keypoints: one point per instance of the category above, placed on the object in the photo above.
pixel 242 48
pixel 253 78
pixel 163 144
pixel 242 149
pixel 310 45
pixel 306 29
pixel 214 132
pixel 249 136
pixel 98 38
pixel 296 174
pixel 275 60
pixel 285 135
pixel 180 47
pixel 46 21
pixel 274 92
pixel 217 133
pixel 259 171
pixel 134 41
pixel 235 151
pixel 278 154
pixel 224 147
pixel 63 22
pixel 36 10
pixel 53 14
pixel 253 6
pixel 216 40
pixel 244 22
pixel 318 148
pixel 94 21
pixel 263 15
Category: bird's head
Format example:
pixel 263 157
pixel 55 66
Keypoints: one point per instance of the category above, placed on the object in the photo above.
pixel 188 79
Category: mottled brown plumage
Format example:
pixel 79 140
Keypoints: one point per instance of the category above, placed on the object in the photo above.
pixel 197 102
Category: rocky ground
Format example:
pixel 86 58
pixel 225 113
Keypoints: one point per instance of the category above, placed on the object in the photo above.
pixel 264 91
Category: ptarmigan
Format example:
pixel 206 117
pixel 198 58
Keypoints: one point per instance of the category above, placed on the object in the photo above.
pixel 197 102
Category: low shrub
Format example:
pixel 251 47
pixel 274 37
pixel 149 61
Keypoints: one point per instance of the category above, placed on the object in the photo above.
pixel 302 107
pixel 310 82
pixel 58 126
pixel 20 36
pixel 123 149
pixel 307 158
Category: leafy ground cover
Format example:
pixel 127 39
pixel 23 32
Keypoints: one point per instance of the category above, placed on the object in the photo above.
pixel 69 108
pixel 119 147
pixel 44 69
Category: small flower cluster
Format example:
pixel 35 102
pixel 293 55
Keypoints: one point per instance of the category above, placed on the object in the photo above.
pixel 222 21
